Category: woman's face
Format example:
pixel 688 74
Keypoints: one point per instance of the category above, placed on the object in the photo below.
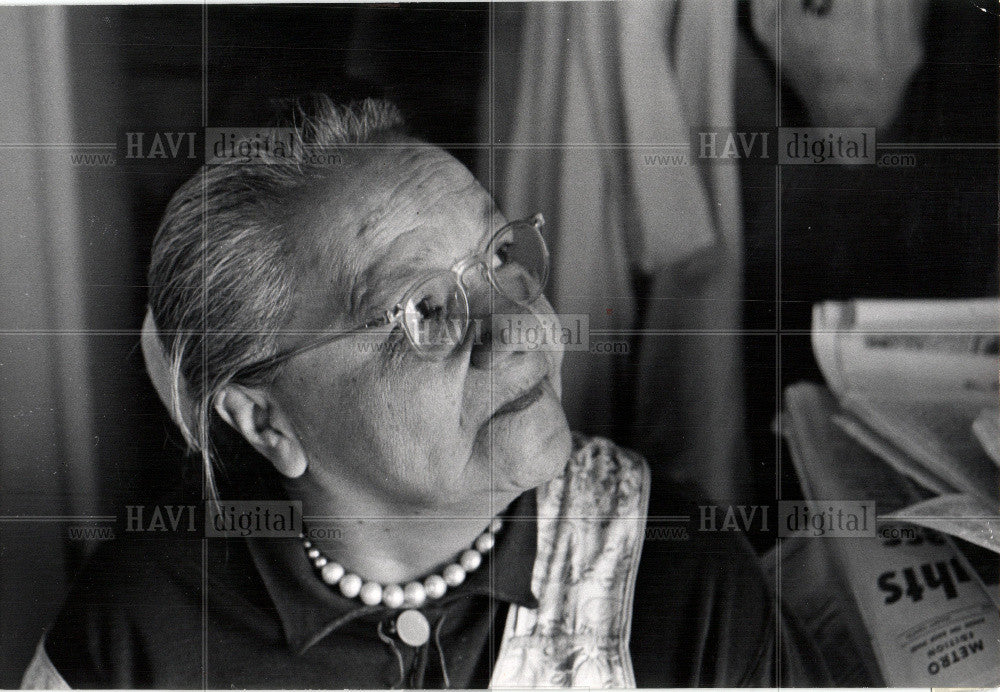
pixel 370 413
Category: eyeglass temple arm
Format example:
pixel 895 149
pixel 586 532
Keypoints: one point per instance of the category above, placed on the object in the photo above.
pixel 388 317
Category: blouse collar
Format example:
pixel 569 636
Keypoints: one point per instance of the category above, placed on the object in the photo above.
pixel 310 610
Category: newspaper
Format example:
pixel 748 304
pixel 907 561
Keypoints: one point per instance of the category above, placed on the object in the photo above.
pixel 917 383
pixel 935 436
pixel 957 514
pixel 931 620
pixel 898 460
pixel 818 599
pixel 910 350
pixel 986 427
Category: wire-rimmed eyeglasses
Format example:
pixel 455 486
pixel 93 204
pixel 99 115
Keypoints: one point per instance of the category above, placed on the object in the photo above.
pixel 434 311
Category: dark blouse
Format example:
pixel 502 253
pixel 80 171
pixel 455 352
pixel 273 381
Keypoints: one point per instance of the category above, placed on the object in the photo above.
pixel 175 612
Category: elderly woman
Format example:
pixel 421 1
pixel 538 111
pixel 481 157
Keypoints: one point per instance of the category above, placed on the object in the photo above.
pixel 332 309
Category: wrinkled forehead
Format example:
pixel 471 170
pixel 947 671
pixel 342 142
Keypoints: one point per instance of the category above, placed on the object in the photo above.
pixel 387 213
pixel 406 188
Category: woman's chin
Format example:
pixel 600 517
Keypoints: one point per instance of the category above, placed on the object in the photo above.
pixel 523 450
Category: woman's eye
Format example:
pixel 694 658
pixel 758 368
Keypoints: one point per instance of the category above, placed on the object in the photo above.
pixel 430 309
pixel 501 255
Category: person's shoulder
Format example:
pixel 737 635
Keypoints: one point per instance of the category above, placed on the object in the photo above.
pixel 704 541
pixel 705 581
pixel 133 562
pixel 128 589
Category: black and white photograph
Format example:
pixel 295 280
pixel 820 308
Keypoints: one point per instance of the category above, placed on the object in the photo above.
pixel 516 345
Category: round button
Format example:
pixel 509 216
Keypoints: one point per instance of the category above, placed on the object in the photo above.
pixel 413 628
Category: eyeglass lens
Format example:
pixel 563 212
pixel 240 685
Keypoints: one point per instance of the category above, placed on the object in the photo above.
pixel 436 315
pixel 436 312
pixel 519 262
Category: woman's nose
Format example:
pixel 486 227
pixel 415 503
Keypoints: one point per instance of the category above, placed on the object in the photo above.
pixel 489 311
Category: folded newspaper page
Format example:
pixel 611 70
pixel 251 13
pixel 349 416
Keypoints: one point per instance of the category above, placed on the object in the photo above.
pixel 987 430
pixel 916 381
pixel 932 622
pixel 820 601
pixel 898 460
pixel 936 436
pixel 956 514
pixel 917 350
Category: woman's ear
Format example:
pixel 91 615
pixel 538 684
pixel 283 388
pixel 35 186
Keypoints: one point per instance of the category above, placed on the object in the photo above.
pixel 251 413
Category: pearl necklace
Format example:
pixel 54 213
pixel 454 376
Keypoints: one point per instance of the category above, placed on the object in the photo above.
pixel 413 594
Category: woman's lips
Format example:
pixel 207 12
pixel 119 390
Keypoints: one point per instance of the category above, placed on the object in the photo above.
pixel 522 402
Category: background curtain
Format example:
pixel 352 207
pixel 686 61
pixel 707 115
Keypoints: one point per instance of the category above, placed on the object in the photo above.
pixel 63 243
pixel 587 106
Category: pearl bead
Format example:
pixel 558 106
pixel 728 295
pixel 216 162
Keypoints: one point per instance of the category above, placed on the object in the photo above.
pixel 393 596
pixel 371 593
pixel 453 575
pixel 435 586
pixel 415 594
pixel 350 585
pixel 470 560
pixel 331 573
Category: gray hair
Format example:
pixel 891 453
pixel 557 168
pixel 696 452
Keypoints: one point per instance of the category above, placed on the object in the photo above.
pixel 221 273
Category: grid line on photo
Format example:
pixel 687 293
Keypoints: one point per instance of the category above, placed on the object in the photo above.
pixel 779 332
pixel 58 145
pixel 593 332
pixel 207 484
pixel 42 518
pixel 513 146
pixel 778 86
pixel 486 517
pixel 491 175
